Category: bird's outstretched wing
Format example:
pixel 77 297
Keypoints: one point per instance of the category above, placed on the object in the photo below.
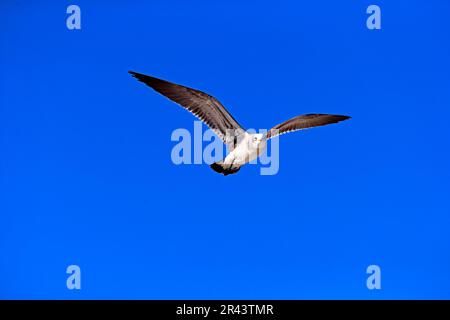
pixel 205 107
pixel 303 122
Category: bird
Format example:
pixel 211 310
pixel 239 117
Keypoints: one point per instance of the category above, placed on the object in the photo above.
pixel 243 146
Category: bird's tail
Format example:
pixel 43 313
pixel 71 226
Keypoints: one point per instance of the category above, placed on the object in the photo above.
pixel 225 169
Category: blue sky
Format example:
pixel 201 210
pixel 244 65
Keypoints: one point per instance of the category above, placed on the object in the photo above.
pixel 87 178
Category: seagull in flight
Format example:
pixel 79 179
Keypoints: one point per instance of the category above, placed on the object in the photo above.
pixel 244 147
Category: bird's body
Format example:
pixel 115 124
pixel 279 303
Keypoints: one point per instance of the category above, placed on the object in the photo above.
pixel 251 146
pixel 244 146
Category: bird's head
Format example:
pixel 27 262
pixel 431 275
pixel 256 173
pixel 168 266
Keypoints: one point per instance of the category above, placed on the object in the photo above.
pixel 257 140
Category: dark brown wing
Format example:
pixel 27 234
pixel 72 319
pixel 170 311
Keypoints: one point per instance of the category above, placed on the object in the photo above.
pixel 205 107
pixel 303 122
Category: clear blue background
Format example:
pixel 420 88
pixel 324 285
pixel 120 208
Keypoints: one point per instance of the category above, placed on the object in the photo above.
pixel 87 178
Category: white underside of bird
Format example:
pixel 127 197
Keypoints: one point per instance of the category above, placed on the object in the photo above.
pixel 250 148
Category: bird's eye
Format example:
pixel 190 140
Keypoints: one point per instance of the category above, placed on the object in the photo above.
pixel 254 138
